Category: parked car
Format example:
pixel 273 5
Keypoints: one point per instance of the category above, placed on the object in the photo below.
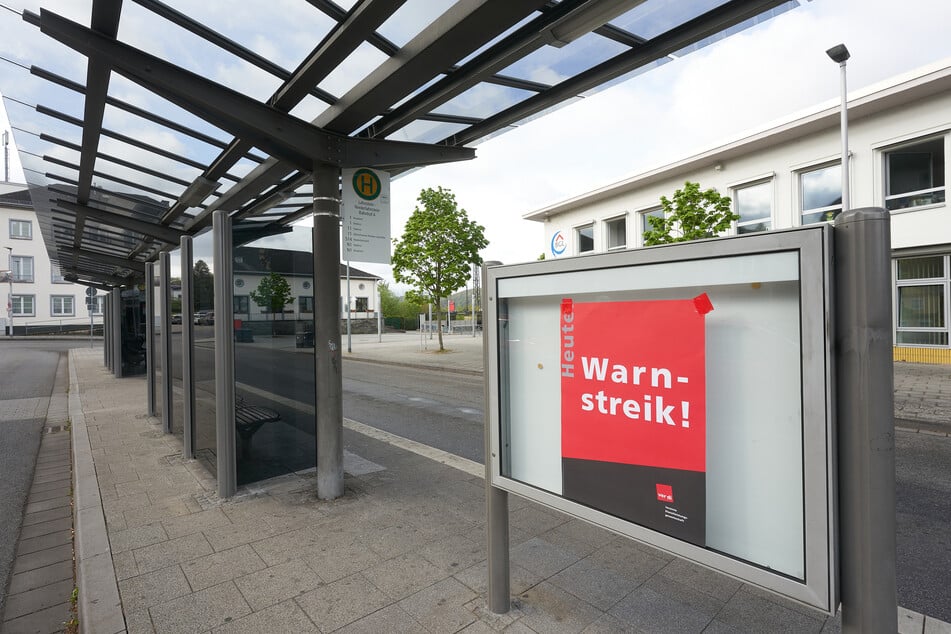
pixel 208 319
pixel 176 318
pixel 199 316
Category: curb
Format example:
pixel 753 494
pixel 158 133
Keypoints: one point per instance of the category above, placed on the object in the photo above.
pixel 349 356
pixel 100 609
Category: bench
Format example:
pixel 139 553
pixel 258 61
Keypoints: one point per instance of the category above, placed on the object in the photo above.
pixel 248 419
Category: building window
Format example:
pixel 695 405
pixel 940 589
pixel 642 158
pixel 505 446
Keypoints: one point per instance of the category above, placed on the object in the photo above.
pixel 98 303
pixel 22 266
pixel 21 229
pixel 914 174
pixel 616 233
pixel 305 303
pixel 922 301
pixel 754 204
pixel 62 306
pixel 242 305
pixel 645 224
pixel 584 238
pixel 820 193
pixel 362 304
pixel 23 306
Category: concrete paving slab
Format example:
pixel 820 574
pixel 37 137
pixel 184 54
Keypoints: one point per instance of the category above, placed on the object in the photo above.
pixel 200 611
pixel 50 540
pixel 40 576
pixel 37 599
pixel 43 558
pixel 46 621
pixel 267 587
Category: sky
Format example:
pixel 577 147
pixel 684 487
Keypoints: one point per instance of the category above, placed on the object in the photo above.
pixel 744 82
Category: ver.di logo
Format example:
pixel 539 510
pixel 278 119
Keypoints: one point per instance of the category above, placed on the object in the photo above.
pixel 366 184
pixel 558 243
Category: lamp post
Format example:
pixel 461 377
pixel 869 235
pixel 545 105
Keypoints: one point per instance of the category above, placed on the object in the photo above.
pixel 840 54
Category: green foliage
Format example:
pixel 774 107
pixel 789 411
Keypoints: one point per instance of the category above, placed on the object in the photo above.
pixel 272 294
pixel 438 248
pixel 204 286
pixel 691 215
pixel 393 305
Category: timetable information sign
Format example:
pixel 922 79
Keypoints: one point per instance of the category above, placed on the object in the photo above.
pixel 365 209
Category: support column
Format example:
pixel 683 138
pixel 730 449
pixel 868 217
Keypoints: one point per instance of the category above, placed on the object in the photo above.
pixel 865 419
pixel 106 325
pixel 224 357
pixel 496 500
pixel 188 345
pixel 328 360
pixel 116 331
pixel 150 337
pixel 165 339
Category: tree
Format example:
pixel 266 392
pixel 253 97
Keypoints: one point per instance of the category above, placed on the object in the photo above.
pixel 204 286
pixel 691 215
pixel 439 246
pixel 394 305
pixel 272 294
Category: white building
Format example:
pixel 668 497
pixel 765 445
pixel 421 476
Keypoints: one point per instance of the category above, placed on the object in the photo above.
pixel 41 301
pixel 789 175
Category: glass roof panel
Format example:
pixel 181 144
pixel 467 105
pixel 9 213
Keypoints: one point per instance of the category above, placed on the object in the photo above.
pixel 425 131
pixel 363 61
pixel 483 100
pixel 650 19
pixel 551 65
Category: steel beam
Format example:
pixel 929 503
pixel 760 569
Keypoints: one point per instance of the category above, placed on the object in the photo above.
pixel 278 133
pixel 150 338
pixel 165 339
pixel 103 258
pixel 157 231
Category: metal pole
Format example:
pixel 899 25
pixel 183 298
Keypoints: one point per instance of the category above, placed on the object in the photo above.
pixel 497 515
pixel 188 345
pixel 89 310
pixel 327 362
pixel 149 337
pixel 866 428
pixel 379 314
pixel 349 346
pixel 224 356
pixel 430 320
pixel 844 125
pixel 105 331
pixel 116 333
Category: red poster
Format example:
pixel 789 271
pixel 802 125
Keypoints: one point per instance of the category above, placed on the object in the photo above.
pixel 633 403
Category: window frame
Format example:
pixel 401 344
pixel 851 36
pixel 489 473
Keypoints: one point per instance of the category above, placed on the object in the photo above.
pixel 365 301
pixel 240 301
pixel 884 153
pixel 944 281
pixel 98 304
pixel 576 234
pixel 642 220
pixel 302 305
pixel 735 188
pixel 18 221
pixel 815 167
pixel 63 312
pixel 21 278
pixel 21 296
pixel 606 224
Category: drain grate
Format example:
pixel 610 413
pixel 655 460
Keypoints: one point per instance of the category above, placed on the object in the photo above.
pixel 52 429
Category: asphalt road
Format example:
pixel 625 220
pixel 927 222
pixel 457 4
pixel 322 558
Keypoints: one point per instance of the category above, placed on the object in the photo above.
pixel 27 375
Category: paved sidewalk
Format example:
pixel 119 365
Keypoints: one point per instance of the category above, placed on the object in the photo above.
pixel 403 551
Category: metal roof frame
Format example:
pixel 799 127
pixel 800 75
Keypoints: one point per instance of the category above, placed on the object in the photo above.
pixel 102 235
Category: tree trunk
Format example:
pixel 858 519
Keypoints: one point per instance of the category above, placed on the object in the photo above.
pixel 439 328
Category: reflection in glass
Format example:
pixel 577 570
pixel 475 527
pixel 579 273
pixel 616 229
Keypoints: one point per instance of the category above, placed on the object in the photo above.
pixel 754 204
pixel 821 191
pixel 274 356
pixel 132 331
pixel 157 359
pixel 175 363
pixel 585 238
pixel 203 353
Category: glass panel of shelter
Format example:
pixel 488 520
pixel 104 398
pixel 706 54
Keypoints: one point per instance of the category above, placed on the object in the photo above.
pixel 157 357
pixel 274 356
pixel 175 367
pixel 203 352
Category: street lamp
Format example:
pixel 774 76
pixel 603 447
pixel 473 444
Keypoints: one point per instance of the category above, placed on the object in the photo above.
pixel 839 54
